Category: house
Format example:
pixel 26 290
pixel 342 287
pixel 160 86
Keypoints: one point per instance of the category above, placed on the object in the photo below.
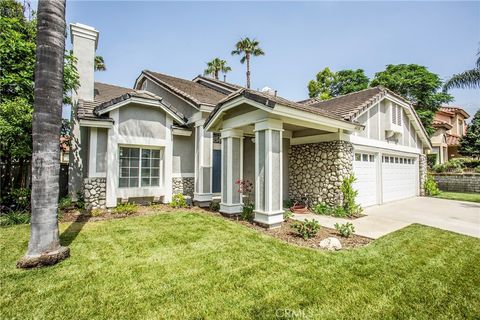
pixel 450 127
pixel 168 135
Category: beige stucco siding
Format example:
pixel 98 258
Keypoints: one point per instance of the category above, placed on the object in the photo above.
pixel 141 121
pixel 183 154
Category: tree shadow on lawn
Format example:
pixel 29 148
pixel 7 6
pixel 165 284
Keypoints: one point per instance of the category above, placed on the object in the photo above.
pixel 69 234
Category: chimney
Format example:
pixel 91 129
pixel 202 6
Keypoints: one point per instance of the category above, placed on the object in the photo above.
pixel 84 41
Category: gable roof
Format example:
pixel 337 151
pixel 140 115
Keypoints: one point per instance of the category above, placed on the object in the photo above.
pixel 271 101
pixel 222 86
pixel 189 90
pixel 106 95
pixel 349 105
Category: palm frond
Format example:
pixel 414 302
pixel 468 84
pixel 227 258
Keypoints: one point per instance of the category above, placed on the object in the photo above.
pixel 99 64
pixel 469 79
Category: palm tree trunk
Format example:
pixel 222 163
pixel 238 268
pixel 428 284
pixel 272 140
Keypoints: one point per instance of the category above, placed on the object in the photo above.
pixel 216 74
pixel 248 70
pixel 44 245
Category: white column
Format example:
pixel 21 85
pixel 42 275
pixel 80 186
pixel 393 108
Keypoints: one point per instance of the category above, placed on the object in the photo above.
pixel 112 161
pixel 268 173
pixel 168 161
pixel 232 170
pixel 203 163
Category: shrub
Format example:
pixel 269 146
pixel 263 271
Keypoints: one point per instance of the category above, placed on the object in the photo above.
pixel 14 217
pixel 477 169
pixel 339 212
pixel 306 229
pixel 431 159
pixel 80 203
pixel 288 203
pixel 18 199
pixel 323 208
pixel 349 194
pixel 65 203
pixel 214 206
pixel 178 201
pixel 126 208
pixel 96 212
pixel 430 186
pixel 346 229
pixel 247 211
pixel 287 214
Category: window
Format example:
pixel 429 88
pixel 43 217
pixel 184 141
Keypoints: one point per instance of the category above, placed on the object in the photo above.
pixel 358 157
pixel 364 157
pixel 371 157
pixel 139 166
pixel 401 160
pixel 396 160
pixel 386 159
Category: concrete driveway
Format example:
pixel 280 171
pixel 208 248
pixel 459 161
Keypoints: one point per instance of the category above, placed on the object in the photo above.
pixel 458 216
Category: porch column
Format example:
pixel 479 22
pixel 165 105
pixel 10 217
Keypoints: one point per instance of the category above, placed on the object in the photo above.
pixel 203 163
pixel 232 170
pixel 268 173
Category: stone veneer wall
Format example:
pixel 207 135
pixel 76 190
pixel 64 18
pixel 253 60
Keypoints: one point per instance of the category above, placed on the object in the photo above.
pixel 318 170
pixel 183 185
pixel 423 173
pixel 458 182
pixel 94 192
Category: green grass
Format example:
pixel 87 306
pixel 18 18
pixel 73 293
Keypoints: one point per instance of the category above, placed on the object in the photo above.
pixel 461 196
pixel 195 266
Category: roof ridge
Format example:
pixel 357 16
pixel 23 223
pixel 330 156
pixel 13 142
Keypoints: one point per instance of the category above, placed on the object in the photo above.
pixel 218 81
pixel 351 93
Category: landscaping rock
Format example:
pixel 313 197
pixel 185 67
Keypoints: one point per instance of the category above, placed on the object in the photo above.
pixel 331 244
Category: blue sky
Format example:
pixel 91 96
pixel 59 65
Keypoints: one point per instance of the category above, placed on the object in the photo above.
pixel 299 39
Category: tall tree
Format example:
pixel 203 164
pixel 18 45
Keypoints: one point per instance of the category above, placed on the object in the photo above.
pixel 329 84
pixel 216 66
pixel 321 87
pixel 470 143
pixel 247 48
pixel 99 64
pixel 416 84
pixel 44 246
pixel 469 79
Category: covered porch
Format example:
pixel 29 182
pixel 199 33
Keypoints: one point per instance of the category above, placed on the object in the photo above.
pixel 257 130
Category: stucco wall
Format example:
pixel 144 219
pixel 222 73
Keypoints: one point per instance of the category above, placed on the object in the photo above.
pixel 318 170
pixel 184 154
pixel 141 121
pixel 101 156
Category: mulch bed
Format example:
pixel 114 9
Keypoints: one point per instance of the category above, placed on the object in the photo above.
pixel 284 233
pixel 288 234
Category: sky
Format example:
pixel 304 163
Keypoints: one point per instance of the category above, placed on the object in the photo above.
pixel 299 39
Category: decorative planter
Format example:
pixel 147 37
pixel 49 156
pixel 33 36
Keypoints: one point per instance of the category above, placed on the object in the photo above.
pixel 299 208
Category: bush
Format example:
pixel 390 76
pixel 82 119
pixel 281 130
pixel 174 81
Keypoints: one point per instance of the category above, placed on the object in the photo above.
pixel 325 209
pixel 431 159
pixel 17 199
pixel 97 212
pixel 288 203
pixel 350 207
pixel 345 230
pixel 126 208
pixel 247 211
pixel 80 204
pixel 477 169
pixel 178 201
pixel 214 206
pixel 65 203
pixel 430 186
pixel 287 214
pixel 306 229
pixel 14 217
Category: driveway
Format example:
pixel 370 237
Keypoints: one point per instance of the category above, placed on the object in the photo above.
pixel 457 216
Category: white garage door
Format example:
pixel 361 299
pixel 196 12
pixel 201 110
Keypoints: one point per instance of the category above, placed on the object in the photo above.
pixel 399 177
pixel 365 170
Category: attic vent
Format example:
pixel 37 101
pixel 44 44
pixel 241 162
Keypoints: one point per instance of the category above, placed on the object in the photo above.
pixel 397 115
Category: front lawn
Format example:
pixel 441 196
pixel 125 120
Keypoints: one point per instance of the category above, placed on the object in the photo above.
pixel 195 266
pixel 461 196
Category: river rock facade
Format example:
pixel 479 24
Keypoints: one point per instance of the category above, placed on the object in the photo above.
pixel 184 186
pixel 318 169
pixel 94 193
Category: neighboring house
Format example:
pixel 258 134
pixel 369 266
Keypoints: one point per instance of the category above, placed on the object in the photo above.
pixel 168 135
pixel 450 127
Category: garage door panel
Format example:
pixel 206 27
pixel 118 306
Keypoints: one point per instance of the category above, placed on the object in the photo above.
pixel 365 171
pixel 399 179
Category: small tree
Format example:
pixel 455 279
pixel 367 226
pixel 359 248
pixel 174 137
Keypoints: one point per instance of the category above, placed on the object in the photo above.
pixel 350 207
pixel 330 84
pixel 470 143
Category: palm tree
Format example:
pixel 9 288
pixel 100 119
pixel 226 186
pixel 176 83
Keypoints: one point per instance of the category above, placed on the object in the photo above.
pixel 44 245
pixel 215 66
pixel 99 64
pixel 248 48
pixel 469 79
